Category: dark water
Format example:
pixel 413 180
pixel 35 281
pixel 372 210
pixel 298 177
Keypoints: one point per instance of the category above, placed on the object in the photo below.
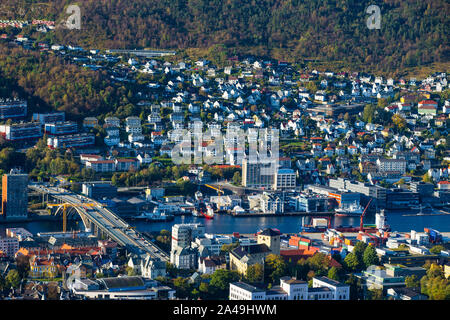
pixel 228 224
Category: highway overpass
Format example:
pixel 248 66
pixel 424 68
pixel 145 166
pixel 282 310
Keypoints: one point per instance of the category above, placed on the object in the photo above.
pixel 100 220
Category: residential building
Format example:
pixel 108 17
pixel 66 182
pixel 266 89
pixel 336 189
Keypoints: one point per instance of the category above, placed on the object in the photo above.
pixel 247 255
pixel 259 174
pixel 391 165
pixel 21 131
pixel 44 118
pixel 71 141
pixel 10 109
pixel 101 165
pixel 9 246
pixel 284 179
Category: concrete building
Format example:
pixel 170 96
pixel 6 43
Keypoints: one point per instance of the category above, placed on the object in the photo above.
pixel 258 175
pixel 44 118
pixel 369 191
pixel 121 288
pixel 292 289
pixel 12 109
pixel 14 196
pixel 21 131
pixel 391 165
pixel 61 128
pixel 339 290
pixel 71 141
pixel 271 238
pixel 99 190
pixel 184 234
pixel 9 246
pixel 284 179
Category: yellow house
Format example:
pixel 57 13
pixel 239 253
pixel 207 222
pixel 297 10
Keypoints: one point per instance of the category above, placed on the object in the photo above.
pixel 243 257
pixel 447 270
pixel 42 268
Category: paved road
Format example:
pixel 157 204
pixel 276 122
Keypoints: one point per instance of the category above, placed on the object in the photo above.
pixel 107 221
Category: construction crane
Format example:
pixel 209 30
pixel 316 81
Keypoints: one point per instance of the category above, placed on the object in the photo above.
pixel 362 216
pixel 218 189
pixel 65 206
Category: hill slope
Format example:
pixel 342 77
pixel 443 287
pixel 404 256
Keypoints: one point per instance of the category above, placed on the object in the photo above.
pixel 412 31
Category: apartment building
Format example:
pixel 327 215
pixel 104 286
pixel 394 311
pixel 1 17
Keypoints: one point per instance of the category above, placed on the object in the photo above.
pixel 284 179
pixel 12 109
pixel 9 246
pixel 21 131
pixel 259 174
pixel 44 118
pixel 391 165
pixel 61 128
pixel 71 141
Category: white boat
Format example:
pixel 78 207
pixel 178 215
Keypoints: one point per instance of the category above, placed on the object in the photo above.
pixel 156 215
pixel 350 211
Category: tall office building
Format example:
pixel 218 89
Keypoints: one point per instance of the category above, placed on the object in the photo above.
pixel 14 195
pixel 184 234
pixel 258 174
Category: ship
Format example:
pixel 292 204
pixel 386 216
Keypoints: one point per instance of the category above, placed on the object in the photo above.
pixel 204 210
pixel 353 210
pixel 155 216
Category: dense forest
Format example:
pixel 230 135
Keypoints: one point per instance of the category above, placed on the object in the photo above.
pixel 413 32
pixel 49 82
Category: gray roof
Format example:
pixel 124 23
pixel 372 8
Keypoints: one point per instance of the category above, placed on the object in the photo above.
pixel 247 287
pixel 122 282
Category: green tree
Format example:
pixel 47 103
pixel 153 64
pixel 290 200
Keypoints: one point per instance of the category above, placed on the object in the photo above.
pixel 221 279
pixel 412 282
pixel 237 178
pixel 351 262
pixel 13 278
pixel 333 273
pixel 375 294
pixel 370 256
pixel 437 249
pixel 255 273
pixel 276 267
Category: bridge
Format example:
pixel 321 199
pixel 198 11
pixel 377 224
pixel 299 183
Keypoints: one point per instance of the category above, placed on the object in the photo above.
pixel 101 221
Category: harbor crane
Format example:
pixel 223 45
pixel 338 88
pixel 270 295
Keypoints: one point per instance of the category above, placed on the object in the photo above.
pixel 361 227
pixel 218 189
